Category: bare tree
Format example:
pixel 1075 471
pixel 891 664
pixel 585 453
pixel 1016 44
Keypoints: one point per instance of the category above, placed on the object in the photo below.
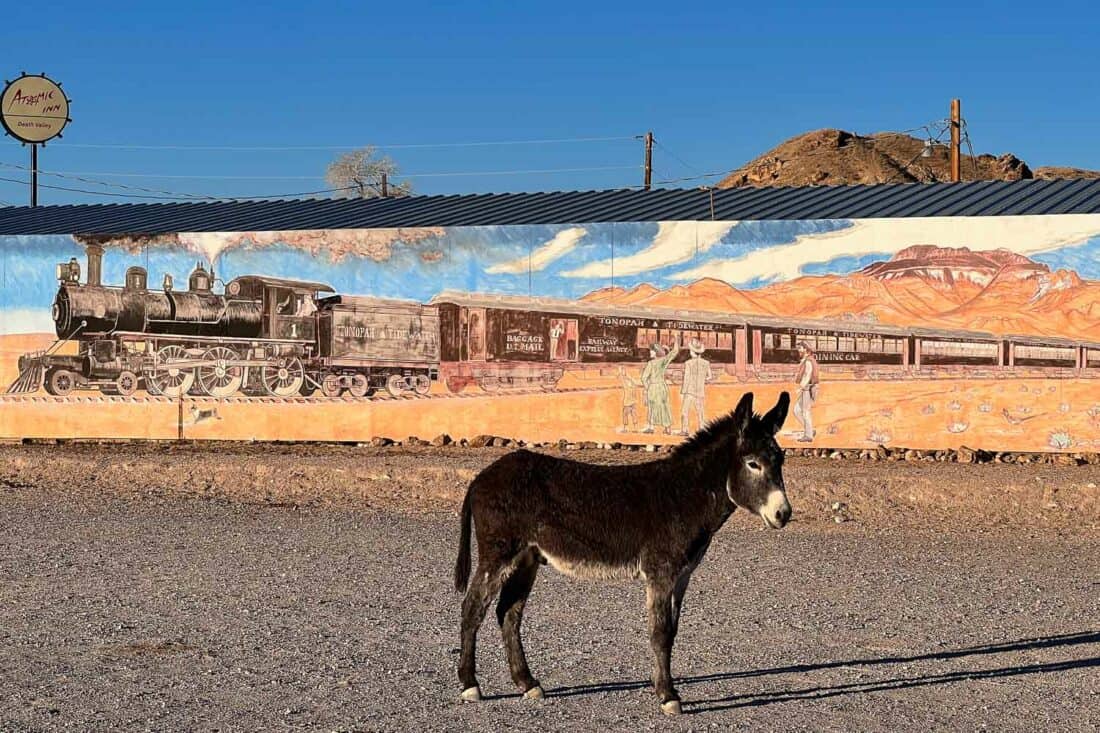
pixel 358 174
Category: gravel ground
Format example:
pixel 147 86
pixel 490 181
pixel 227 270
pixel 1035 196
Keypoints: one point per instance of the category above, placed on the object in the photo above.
pixel 153 607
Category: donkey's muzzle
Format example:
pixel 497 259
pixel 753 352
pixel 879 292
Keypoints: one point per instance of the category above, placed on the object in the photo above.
pixel 776 511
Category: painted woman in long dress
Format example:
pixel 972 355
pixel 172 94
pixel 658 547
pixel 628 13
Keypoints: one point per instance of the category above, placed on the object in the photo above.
pixel 658 411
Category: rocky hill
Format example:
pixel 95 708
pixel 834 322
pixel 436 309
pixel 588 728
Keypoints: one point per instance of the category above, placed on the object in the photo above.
pixel 836 157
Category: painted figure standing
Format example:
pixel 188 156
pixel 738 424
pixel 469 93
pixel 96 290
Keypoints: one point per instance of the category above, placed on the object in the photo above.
pixel 658 411
pixel 630 400
pixel 693 390
pixel 807 381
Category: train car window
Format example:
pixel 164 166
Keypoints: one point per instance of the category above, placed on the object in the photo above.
pixel 285 302
pixel 847 343
pixel 711 339
pixel 769 341
pixel 725 340
pixel 646 337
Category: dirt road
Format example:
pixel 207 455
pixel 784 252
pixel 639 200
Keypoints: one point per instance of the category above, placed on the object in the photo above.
pixel 156 589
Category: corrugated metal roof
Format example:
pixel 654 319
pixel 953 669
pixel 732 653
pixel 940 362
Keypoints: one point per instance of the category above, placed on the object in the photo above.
pixel 979 198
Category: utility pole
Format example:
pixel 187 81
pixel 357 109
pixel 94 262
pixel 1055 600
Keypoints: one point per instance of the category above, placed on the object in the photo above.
pixel 385 185
pixel 956 130
pixel 34 174
pixel 648 160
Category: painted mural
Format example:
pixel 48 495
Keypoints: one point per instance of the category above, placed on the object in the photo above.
pixel 925 333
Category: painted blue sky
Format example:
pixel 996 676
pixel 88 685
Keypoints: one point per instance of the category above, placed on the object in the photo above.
pixel 718 83
pixel 564 261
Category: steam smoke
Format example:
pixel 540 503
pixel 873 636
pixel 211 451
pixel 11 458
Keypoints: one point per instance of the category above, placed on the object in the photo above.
pixel 374 244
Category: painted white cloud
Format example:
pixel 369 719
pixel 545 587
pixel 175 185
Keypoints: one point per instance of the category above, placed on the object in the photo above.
pixel 676 242
pixel 562 244
pixel 1020 234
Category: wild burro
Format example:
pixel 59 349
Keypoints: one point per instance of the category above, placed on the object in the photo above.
pixel 652 521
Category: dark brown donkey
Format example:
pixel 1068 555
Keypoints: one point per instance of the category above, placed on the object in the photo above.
pixel 652 521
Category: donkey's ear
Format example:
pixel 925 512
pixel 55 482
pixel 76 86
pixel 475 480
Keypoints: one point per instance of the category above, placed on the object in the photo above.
pixel 774 419
pixel 742 415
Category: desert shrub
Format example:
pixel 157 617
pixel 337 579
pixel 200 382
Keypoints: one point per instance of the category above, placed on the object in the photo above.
pixel 1060 440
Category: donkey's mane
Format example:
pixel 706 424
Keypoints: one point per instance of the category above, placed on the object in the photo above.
pixel 712 435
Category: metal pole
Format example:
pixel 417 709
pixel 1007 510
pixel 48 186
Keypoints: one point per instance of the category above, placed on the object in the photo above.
pixel 648 159
pixel 956 127
pixel 385 185
pixel 34 174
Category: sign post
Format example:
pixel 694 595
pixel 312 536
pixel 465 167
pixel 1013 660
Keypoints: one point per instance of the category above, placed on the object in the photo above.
pixel 34 110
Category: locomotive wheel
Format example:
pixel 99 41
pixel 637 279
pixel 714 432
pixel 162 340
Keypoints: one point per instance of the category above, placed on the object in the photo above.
pixel 422 384
pixel 330 386
pixel 360 387
pixel 489 384
pixel 307 389
pixel 126 383
pixel 284 378
pixel 220 379
pixel 60 382
pixel 168 380
pixel 396 385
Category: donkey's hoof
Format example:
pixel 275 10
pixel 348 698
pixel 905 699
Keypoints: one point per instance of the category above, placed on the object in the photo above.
pixel 671 707
pixel 535 693
pixel 471 694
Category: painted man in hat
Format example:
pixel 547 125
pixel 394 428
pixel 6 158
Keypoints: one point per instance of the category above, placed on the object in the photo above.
pixel 656 389
pixel 807 382
pixel 696 375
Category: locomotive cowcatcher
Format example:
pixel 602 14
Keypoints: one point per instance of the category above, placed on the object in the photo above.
pixel 262 336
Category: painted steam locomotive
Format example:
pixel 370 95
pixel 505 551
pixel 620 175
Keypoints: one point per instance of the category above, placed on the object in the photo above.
pixel 263 336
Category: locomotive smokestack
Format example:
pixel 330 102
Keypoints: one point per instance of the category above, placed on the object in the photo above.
pixel 95 263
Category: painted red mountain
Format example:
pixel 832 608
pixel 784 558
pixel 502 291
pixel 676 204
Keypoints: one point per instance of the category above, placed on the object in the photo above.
pixel 926 285
pixel 951 264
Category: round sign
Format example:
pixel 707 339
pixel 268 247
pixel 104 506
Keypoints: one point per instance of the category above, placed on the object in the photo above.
pixel 34 109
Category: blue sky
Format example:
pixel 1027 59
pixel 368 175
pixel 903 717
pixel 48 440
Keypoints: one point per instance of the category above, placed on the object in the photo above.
pixel 717 82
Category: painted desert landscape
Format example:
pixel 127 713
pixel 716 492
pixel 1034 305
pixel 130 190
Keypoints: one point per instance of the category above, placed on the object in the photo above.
pixel 941 287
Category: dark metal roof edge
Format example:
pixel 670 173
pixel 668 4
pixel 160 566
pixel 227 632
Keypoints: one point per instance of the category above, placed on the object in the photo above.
pixel 969 199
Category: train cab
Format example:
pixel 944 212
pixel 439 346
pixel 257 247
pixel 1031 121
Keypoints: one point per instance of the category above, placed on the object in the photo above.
pixel 288 306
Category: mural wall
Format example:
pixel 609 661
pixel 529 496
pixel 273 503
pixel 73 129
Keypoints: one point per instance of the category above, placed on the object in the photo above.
pixel 925 333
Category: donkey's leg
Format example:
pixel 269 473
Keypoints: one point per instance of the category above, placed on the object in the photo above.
pixel 678 591
pixel 483 588
pixel 661 634
pixel 513 598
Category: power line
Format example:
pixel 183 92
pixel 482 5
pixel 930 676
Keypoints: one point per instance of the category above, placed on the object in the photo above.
pixel 970 147
pixel 905 167
pixel 175 194
pixel 505 173
pixel 675 156
pixel 177 197
pixel 396 146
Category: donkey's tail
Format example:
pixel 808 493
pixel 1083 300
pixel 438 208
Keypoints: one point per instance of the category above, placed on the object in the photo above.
pixel 462 564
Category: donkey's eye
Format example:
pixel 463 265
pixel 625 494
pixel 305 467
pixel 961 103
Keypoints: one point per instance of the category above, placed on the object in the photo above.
pixel 754 465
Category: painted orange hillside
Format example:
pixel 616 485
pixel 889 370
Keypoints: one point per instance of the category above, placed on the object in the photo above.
pixel 996 290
